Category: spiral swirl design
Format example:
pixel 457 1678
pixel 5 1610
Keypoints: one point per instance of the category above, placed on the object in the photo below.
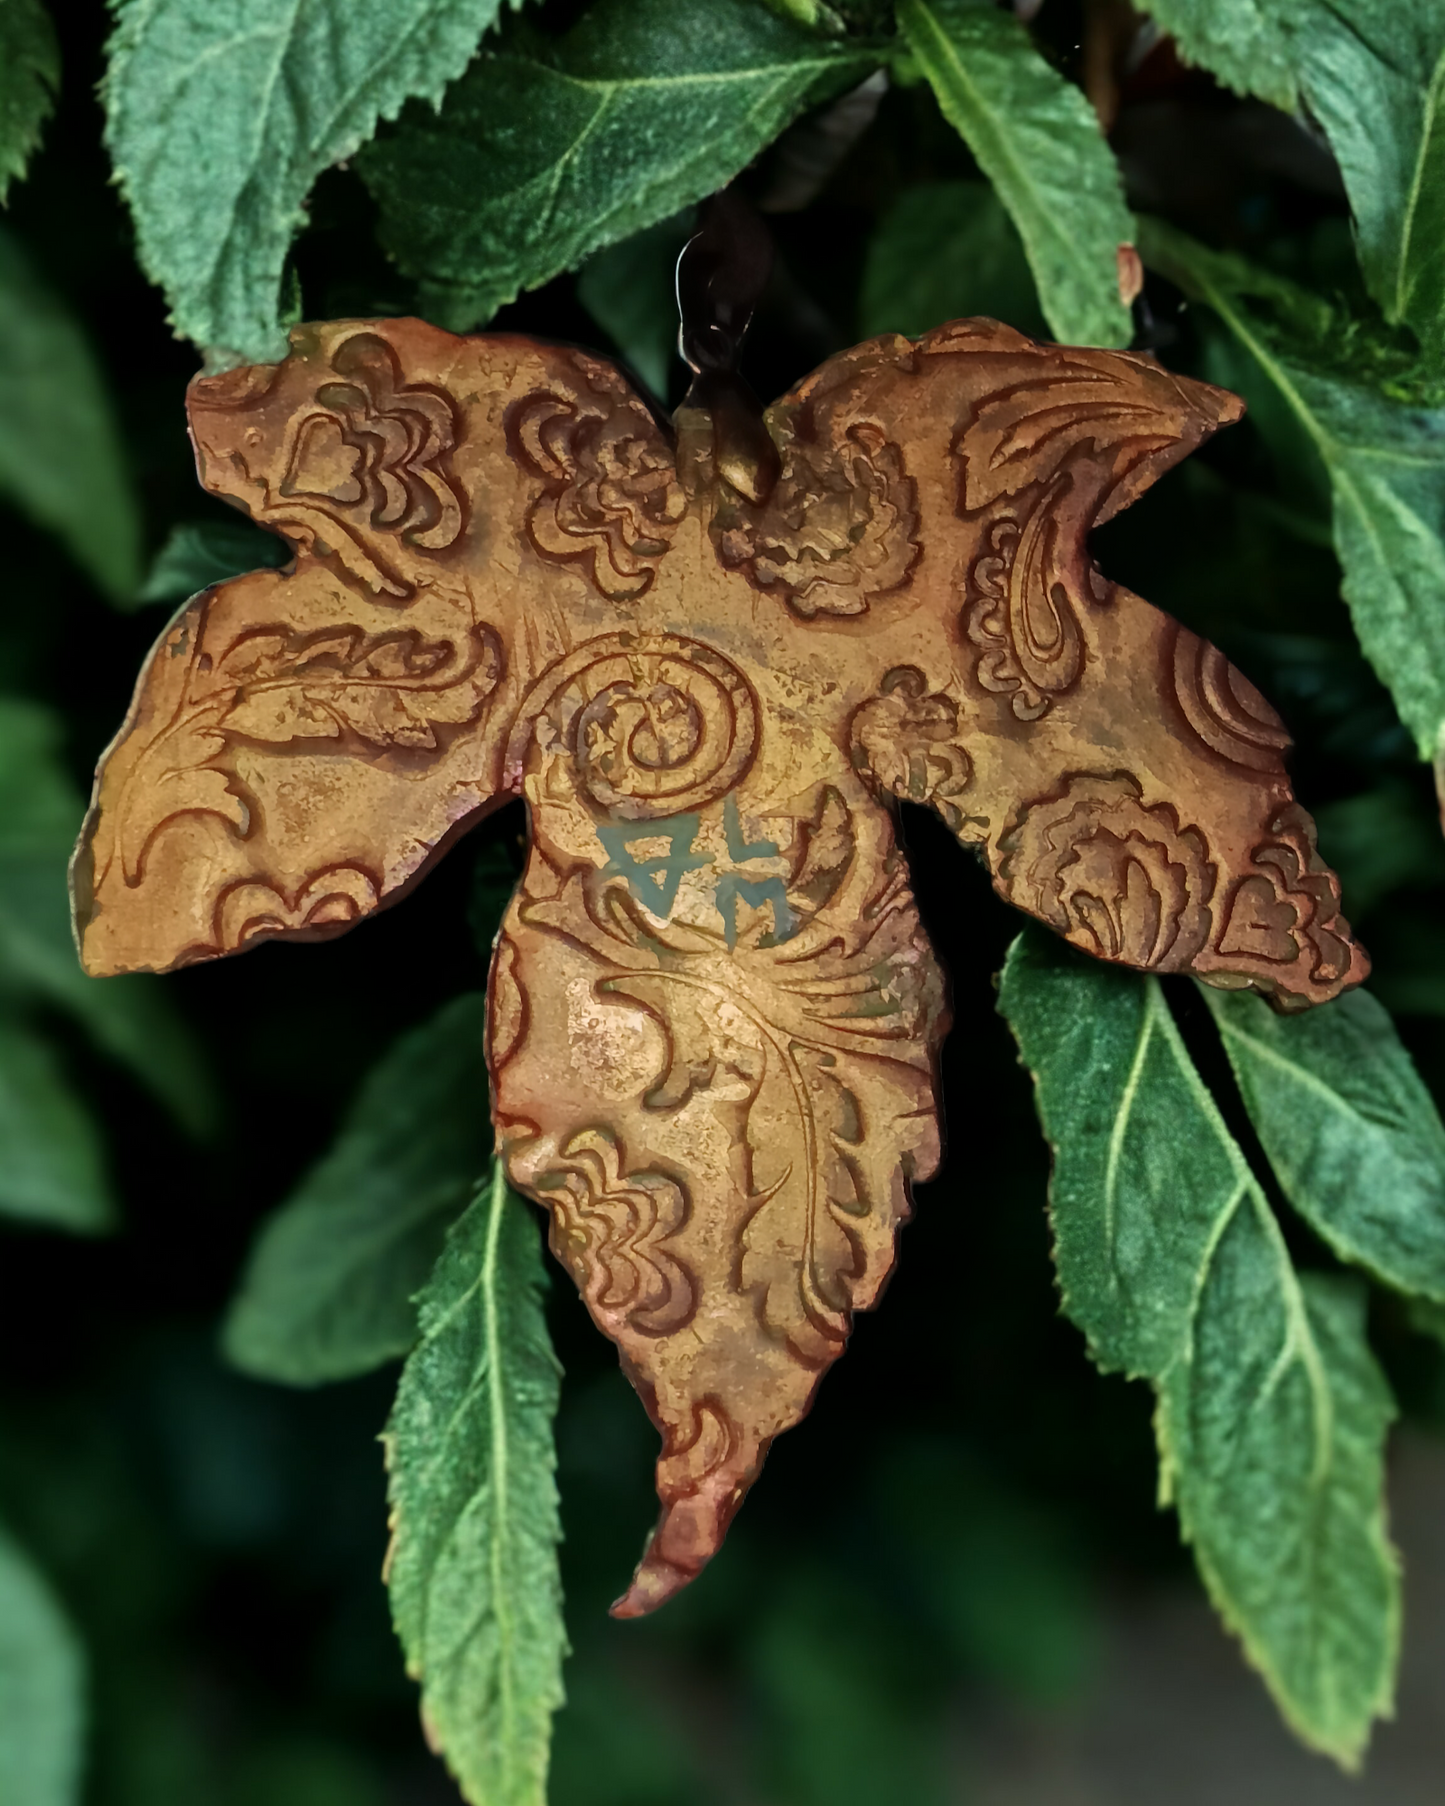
pixel 655 725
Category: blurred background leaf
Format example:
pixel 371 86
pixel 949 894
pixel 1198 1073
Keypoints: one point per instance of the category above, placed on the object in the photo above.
pixel 630 290
pixel 60 453
pixel 328 1291
pixel 42 1689
pixel 29 76
pixel 946 251
pixel 199 553
pixel 53 1171
pixel 131 1019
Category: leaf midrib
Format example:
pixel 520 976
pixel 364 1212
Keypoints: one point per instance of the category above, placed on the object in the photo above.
pixel 609 85
pixel 500 1517
pixel 1403 286
pixel 1329 447
pixel 1303 1076
pixel 1298 1329
pixel 1001 145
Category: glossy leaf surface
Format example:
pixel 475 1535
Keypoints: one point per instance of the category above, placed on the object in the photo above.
pixel 1383 454
pixel 1352 1134
pixel 1372 75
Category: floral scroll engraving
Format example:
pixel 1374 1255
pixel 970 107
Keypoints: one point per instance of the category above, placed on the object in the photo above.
pixel 342 454
pixel 907 739
pixel 379 443
pixel 610 498
pixel 840 529
pixel 615 1232
pixel 1120 880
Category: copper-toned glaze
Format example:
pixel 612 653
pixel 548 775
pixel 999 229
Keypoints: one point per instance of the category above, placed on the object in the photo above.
pixel 714 1014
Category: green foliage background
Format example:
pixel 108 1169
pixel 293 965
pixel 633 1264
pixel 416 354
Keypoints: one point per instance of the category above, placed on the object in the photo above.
pixel 236 1199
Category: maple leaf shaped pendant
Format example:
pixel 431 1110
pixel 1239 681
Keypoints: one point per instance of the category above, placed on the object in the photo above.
pixel 714 1015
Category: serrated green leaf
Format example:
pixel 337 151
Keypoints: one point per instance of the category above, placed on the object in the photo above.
pixel 129 1018
pixel 330 1286
pixel 52 1172
pixel 550 148
pixel 1272 1412
pixel 42 1689
pixel 1248 44
pixel 944 251
pixel 1385 460
pixel 199 553
pixel 1036 139
pixel 222 113
pixel 475 1591
pixel 1350 1130
pixel 1372 75
pixel 29 76
pixel 61 459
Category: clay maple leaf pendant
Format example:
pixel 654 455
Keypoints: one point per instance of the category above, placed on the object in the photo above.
pixel 714 1013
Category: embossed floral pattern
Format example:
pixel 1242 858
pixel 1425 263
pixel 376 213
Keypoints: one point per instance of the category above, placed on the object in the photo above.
pixel 713 1014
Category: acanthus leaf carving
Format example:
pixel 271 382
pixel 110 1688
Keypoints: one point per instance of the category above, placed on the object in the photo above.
pixel 809 1024
pixel 390 689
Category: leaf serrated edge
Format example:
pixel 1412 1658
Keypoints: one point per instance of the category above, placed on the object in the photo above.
pixel 485 1287
pixel 1349 1754
pixel 122 44
pixel 39 66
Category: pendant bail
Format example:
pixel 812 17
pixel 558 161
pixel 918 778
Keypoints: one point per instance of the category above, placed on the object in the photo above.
pixel 721 273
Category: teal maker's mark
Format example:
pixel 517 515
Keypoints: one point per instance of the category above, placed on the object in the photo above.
pixel 655 881
pixel 755 891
